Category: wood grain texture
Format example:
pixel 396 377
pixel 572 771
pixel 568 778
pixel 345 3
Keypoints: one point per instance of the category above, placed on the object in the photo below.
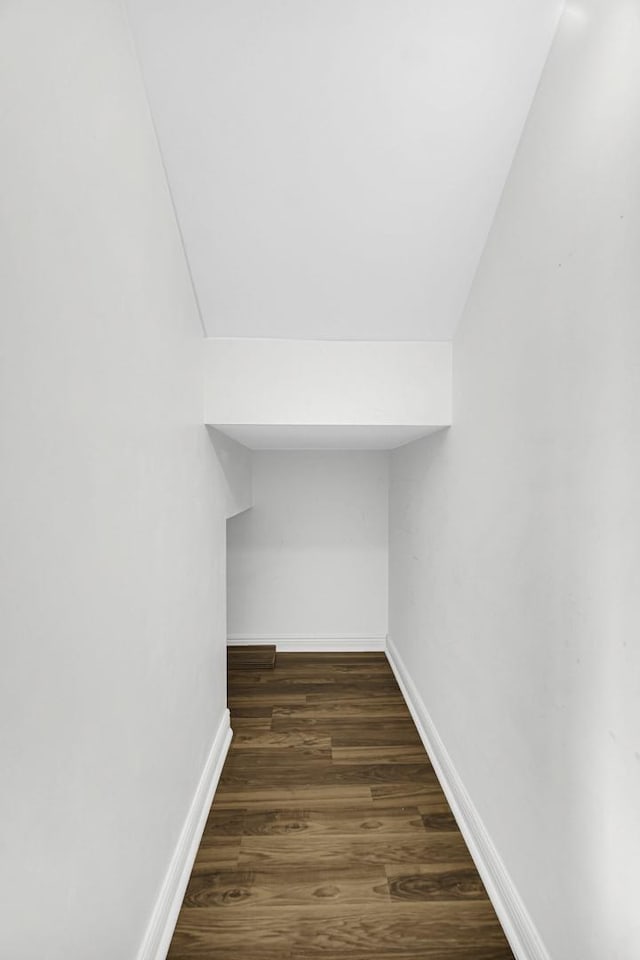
pixel 330 836
pixel 346 821
pixel 252 656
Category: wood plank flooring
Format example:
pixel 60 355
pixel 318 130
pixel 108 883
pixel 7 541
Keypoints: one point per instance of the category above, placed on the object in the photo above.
pixel 329 837
pixel 252 657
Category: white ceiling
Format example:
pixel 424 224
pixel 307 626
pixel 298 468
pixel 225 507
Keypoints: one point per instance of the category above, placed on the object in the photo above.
pixel 336 164
pixel 305 437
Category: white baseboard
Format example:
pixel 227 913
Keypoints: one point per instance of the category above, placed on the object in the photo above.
pixel 165 913
pixel 312 643
pixel 523 937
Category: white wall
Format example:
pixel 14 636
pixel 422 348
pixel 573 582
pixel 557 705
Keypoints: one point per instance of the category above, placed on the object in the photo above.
pixel 336 164
pixel 337 382
pixel 112 498
pixel 310 559
pixel 515 567
pixel 234 473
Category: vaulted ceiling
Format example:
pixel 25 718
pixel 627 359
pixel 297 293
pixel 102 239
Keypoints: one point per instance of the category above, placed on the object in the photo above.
pixel 336 164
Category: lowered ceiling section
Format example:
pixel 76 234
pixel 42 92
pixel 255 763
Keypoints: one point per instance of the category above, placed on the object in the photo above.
pixel 293 394
pixel 336 164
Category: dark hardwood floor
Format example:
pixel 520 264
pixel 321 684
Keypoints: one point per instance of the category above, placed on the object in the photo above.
pixel 330 837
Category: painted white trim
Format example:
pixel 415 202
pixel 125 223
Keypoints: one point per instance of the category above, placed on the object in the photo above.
pixel 520 930
pixel 165 913
pixel 313 642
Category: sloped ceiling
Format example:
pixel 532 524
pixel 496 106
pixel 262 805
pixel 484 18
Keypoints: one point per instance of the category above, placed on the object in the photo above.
pixel 336 164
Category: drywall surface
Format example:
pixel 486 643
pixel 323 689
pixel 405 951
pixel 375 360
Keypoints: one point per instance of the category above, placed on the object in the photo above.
pixel 310 559
pixel 313 437
pixel 318 382
pixel 514 557
pixel 112 496
pixel 234 471
pixel 336 164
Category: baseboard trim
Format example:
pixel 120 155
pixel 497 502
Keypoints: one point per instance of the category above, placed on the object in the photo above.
pixel 165 913
pixel 523 937
pixel 313 643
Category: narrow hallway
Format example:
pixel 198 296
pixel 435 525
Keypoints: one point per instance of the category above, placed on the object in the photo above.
pixel 329 835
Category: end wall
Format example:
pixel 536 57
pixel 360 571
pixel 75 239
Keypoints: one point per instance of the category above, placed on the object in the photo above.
pixel 309 562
